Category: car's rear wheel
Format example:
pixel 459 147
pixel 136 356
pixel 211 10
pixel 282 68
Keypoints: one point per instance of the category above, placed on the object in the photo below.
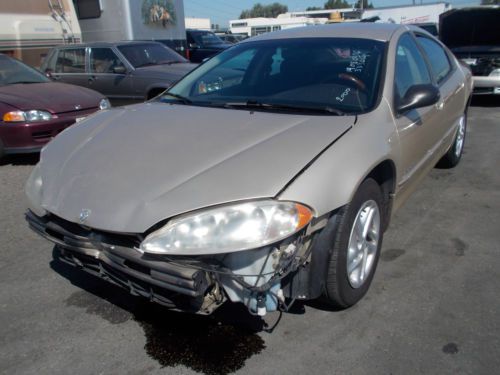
pixel 454 154
pixel 356 247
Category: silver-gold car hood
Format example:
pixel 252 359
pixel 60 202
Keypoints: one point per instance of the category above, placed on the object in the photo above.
pixel 130 168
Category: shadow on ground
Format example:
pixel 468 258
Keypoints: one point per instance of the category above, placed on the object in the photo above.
pixel 21 159
pixel 486 101
pixel 216 344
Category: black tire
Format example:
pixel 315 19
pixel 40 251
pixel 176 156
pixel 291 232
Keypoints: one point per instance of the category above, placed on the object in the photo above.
pixel 452 156
pixel 338 290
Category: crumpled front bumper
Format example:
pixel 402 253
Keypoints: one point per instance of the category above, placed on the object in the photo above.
pixel 115 259
pixel 197 284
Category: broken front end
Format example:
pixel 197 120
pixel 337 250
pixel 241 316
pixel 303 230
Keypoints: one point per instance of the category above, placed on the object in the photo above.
pixel 256 253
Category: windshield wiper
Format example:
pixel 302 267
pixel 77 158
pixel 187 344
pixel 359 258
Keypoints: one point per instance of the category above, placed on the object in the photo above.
pixel 181 98
pixel 258 105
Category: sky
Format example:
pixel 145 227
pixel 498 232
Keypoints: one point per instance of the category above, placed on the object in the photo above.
pixel 221 11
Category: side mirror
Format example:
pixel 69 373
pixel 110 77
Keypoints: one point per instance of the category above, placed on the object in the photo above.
pixel 418 96
pixel 120 69
pixel 48 73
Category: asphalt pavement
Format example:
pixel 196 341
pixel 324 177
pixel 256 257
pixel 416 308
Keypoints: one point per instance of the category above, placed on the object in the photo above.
pixel 433 308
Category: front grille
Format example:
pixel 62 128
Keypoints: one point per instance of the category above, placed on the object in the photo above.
pixel 115 258
pixel 78 113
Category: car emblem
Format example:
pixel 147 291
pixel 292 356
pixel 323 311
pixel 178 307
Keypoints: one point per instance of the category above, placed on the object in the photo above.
pixel 78 106
pixel 84 215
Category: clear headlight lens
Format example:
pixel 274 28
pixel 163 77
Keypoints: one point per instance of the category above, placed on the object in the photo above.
pixel 34 115
pixel 228 229
pixel 33 190
pixel 104 104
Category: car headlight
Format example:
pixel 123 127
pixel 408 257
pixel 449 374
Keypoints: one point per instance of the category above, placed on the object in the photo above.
pixel 34 115
pixel 33 190
pixel 228 229
pixel 104 104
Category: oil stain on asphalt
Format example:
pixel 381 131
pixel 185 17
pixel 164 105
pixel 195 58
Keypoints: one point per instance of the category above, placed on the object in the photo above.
pixel 210 345
pixel 218 344
pixel 450 348
pixel 460 246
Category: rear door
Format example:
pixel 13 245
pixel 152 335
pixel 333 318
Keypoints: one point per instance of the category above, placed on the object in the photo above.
pixel 109 75
pixel 451 87
pixel 70 66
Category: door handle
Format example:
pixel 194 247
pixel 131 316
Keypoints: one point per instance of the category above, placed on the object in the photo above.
pixel 92 79
pixel 440 105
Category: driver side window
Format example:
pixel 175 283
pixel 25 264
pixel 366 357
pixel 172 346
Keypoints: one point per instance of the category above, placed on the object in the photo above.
pixel 411 68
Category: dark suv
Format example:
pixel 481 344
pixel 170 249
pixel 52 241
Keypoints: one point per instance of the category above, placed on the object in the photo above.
pixel 125 72
pixel 203 44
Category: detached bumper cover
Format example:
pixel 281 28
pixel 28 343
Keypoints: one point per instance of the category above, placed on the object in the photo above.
pixel 114 258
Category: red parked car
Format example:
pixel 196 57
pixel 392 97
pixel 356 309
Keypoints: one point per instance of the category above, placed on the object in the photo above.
pixel 33 109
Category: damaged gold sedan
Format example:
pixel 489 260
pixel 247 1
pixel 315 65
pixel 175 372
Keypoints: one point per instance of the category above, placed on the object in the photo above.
pixel 266 175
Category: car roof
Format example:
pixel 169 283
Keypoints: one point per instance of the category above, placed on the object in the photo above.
pixel 363 30
pixel 109 44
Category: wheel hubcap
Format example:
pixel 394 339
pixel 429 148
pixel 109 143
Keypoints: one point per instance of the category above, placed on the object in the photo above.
pixel 363 243
pixel 459 143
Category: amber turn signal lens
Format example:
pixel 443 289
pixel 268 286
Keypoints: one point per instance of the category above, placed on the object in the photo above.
pixel 305 215
pixel 14 116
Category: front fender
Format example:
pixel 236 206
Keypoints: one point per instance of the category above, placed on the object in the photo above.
pixel 331 181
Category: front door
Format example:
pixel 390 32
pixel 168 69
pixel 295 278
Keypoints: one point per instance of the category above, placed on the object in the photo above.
pixel 417 128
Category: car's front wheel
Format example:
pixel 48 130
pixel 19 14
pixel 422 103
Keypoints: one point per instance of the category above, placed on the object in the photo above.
pixel 356 247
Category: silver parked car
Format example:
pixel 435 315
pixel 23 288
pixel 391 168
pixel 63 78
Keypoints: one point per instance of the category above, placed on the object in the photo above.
pixel 267 174
pixel 125 72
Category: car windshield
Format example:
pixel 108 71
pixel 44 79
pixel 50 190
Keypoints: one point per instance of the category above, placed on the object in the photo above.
pixel 13 71
pixel 206 38
pixel 150 54
pixel 335 75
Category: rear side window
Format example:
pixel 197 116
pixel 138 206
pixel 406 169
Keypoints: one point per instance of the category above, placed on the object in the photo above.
pixel 103 60
pixel 438 59
pixel 411 68
pixel 71 61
